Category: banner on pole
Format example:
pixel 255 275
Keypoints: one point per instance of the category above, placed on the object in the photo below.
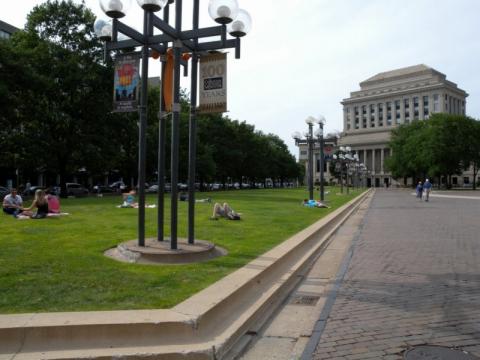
pixel 126 83
pixel 213 83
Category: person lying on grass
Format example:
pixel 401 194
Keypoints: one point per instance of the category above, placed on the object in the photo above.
pixel 314 203
pixel 224 211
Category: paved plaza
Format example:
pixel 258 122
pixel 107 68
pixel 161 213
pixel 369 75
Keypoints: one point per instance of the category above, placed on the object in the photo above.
pixel 414 278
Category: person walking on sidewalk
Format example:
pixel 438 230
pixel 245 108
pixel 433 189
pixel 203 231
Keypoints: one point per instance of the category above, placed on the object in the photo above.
pixel 419 190
pixel 427 187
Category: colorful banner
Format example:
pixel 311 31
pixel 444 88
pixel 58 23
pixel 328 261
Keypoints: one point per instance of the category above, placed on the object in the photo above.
pixel 126 83
pixel 213 83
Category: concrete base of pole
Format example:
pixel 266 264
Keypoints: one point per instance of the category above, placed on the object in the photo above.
pixel 159 252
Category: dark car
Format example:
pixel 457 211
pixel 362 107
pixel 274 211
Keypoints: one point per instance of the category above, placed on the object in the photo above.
pixel 101 189
pixel 31 190
pixel 74 189
pixel 3 192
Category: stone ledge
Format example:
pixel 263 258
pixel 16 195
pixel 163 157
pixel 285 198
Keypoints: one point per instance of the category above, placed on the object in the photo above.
pixel 207 325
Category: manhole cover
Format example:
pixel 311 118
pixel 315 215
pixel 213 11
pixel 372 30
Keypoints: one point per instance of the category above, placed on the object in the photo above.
pixel 436 353
pixel 305 300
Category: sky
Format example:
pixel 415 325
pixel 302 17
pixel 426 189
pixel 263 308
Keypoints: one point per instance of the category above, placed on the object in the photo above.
pixel 303 57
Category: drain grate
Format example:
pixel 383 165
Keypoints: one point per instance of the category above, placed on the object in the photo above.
pixel 425 352
pixel 304 300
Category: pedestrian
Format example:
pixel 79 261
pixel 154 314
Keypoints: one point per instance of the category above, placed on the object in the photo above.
pixel 427 187
pixel 419 190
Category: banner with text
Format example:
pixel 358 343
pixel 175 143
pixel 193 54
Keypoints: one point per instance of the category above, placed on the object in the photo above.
pixel 213 83
pixel 126 83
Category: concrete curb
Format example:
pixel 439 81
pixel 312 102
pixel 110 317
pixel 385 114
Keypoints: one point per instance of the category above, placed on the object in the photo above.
pixel 209 325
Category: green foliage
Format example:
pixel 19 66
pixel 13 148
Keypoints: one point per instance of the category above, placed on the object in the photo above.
pixel 441 146
pixel 56 100
pixel 57 264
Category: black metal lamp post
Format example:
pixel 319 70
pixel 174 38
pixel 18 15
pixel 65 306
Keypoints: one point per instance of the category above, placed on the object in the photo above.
pixel 183 41
pixel 309 140
pixel 319 133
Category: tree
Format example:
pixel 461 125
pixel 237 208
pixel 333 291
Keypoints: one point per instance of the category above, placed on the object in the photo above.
pixel 71 123
pixel 439 147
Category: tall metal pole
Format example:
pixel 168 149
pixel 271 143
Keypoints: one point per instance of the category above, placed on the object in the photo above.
pixel 177 45
pixel 162 120
pixel 322 165
pixel 192 133
pixel 142 132
pixel 348 168
pixel 310 161
pixel 341 176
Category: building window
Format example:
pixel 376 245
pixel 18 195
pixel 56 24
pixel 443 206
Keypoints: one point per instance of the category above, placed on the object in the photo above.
pixel 303 152
pixel 356 111
pixel 454 180
pixel 4 34
pixel 436 103
pixel 466 180
pixel 406 103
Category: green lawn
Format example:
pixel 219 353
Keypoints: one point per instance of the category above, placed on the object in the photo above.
pixel 57 264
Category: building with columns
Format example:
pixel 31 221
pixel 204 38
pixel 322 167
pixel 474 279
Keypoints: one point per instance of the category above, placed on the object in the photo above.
pixel 387 100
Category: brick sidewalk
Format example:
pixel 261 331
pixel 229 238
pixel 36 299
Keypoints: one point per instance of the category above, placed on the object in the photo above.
pixel 414 279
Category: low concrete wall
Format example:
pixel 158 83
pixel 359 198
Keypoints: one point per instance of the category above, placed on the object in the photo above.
pixel 206 326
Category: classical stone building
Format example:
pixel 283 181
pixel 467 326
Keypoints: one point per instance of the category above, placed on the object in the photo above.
pixel 389 99
pixel 6 30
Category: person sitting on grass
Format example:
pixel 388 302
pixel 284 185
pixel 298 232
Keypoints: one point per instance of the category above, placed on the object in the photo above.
pixel 224 211
pixel 129 200
pixel 53 202
pixel 41 203
pixel 12 203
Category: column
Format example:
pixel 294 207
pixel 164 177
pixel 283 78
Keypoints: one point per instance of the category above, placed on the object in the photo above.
pixel 365 157
pixel 345 118
pixel 382 159
pixel 373 161
pixel 368 116
pixel 376 116
pixel 420 107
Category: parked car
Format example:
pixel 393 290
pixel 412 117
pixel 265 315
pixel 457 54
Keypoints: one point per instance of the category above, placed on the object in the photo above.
pixel 182 187
pixel 118 186
pixel 152 189
pixel 3 192
pixel 101 189
pixel 74 189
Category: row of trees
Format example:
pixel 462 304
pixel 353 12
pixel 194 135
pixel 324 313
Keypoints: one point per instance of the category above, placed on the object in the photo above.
pixel 56 100
pixel 443 146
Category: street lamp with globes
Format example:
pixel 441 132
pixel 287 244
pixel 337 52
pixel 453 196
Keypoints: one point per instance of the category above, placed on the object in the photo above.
pixel 183 41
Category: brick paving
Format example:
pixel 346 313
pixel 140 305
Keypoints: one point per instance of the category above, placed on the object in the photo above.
pixel 414 279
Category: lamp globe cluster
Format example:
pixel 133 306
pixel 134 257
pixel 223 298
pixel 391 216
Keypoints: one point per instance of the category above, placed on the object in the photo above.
pixel 227 12
pixel 222 11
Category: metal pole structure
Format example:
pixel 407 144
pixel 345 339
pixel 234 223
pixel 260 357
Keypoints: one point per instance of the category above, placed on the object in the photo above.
pixel 310 161
pixel 142 133
pixel 183 41
pixel 193 133
pixel 341 176
pixel 346 176
pixel 162 121
pixel 177 47
pixel 322 165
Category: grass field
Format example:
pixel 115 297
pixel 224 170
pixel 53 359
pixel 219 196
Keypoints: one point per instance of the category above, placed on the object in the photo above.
pixel 57 264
